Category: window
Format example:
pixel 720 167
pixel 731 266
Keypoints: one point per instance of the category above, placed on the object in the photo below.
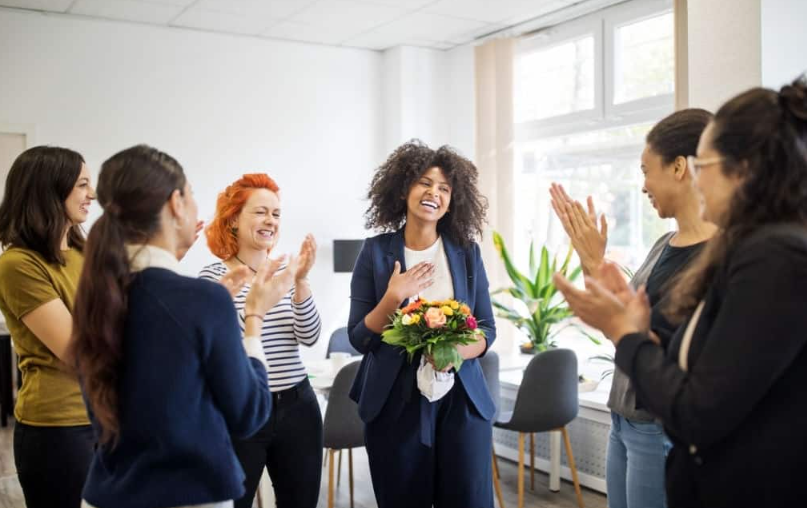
pixel 586 94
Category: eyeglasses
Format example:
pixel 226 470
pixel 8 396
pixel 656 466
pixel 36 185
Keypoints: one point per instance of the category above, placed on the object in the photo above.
pixel 696 164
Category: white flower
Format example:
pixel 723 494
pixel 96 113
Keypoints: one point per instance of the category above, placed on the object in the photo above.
pixel 406 319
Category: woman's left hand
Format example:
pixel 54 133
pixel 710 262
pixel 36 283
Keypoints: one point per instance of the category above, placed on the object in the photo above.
pixel 307 257
pixel 599 307
pixel 199 226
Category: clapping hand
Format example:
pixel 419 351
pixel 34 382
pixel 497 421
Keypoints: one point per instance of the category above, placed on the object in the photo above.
pixel 235 279
pixel 581 226
pixel 306 258
pixel 199 227
pixel 608 303
pixel 268 289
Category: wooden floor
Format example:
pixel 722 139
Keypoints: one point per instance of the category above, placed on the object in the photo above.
pixel 11 496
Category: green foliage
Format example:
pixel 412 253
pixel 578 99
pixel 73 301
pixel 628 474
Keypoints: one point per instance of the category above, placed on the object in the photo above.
pixel 545 306
pixel 438 343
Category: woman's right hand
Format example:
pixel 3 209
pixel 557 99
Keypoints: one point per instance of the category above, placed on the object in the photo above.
pixel 267 289
pixel 235 279
pixel 581 226
pixel 404 285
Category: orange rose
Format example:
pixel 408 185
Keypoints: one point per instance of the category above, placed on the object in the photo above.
pixel 435 318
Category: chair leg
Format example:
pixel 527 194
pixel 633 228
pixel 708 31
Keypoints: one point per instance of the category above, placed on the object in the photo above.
pixel 572 467
pixel 520 470
pixel 532 461
pixel 338 468
pixel 350 473
pixel 495 461
pixel 330 478
pixel 496 485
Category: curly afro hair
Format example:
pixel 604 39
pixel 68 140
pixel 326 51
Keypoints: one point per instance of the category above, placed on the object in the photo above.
pixel 392 181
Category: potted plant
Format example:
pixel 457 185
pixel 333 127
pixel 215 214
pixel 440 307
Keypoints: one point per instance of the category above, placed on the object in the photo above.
pixel 543 307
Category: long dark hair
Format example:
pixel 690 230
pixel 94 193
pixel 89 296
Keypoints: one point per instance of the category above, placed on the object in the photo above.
pixel 762 135
pixel 33 213
pixel 393 179
pixel 133 187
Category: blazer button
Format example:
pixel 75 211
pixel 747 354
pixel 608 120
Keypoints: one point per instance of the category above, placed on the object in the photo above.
pixel 693 449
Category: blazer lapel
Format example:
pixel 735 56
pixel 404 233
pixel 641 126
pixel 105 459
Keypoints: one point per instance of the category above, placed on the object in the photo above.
pixel 395 252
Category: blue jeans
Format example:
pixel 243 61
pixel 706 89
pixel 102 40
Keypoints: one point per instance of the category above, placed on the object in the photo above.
pixel 634 473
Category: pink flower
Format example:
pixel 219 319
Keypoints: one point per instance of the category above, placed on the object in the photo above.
pixel 471 323
pixel 435 318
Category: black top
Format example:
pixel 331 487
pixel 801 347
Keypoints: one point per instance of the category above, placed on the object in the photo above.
pixel 737 416
pixel 671 261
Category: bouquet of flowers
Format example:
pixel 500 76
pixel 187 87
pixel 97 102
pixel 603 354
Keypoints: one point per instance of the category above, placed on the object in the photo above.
pixel 435 328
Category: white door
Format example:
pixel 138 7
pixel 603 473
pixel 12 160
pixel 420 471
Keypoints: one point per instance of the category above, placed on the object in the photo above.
pixel 12 144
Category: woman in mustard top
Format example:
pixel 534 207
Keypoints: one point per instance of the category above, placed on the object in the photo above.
pixel 47 197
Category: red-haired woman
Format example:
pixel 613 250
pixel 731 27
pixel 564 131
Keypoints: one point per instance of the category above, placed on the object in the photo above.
pixel 243 233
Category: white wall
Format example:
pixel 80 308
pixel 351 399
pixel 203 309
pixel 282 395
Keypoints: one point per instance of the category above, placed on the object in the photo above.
pixel 223 105
pixel 784 40
pixel 429 94
pixel 724 50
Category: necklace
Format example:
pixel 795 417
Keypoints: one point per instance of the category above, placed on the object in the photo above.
pixel 239 260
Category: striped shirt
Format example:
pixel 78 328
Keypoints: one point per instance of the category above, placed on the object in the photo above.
pixel 285 327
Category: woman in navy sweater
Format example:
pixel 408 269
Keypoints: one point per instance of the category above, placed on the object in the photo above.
pixel 423 452
pixel 160 356
pixel 730 386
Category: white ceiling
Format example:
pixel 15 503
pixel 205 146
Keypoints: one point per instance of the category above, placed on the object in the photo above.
pixel 370 24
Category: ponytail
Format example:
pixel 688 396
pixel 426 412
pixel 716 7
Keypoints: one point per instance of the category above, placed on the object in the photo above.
pixel 133 188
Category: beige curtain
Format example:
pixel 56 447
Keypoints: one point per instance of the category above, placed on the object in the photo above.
pixel 494 157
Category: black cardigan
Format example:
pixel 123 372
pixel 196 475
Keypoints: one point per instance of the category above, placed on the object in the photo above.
pixel 738 417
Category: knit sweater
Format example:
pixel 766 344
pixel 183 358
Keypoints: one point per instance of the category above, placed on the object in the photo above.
pixel 185 386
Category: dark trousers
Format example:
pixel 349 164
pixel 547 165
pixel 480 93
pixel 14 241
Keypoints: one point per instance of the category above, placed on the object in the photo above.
pixel 289 446
pixel 52 463
pixel 455 472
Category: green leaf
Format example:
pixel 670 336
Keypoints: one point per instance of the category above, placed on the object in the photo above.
pixel 543 269
pixel 533 270
pixel 516 276
pixel 445 354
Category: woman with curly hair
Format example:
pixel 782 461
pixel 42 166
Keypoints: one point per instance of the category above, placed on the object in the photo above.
pixel 423 453
pixel 242 234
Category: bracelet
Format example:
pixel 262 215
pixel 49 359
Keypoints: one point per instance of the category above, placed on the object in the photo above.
pixel 247 316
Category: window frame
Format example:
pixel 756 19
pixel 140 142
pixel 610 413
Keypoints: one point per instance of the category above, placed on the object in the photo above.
pixel 605 114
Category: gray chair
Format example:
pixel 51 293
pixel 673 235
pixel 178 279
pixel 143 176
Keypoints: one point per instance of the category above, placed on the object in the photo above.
pixel 490 369
pixel 546 400
pixel 343 429
pixel 340 343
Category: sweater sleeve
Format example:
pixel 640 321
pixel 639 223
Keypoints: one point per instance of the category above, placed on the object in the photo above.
pixel 755 334
pixel 307 323
pixel 237 382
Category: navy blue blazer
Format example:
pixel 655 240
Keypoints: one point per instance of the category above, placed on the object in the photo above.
pixel 382 362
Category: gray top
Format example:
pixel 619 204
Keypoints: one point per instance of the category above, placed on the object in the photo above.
pixel 622 399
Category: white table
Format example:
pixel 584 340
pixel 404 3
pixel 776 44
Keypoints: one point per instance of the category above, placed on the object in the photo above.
pixel 322 373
